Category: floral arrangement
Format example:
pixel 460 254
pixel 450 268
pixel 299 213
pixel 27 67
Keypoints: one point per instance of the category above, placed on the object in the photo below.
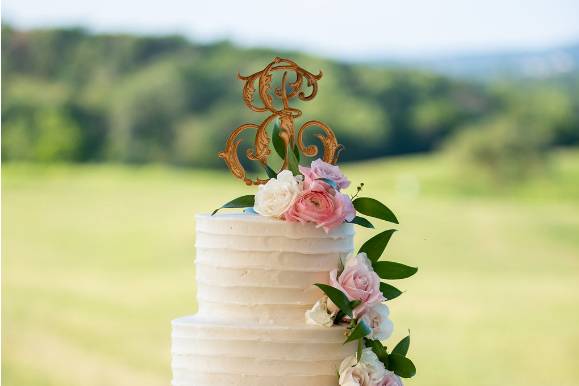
pixel 354 298
pixel 310 197
pixel 355 294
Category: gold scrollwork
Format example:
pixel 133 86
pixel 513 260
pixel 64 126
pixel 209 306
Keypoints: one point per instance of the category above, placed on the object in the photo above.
pixel 287 91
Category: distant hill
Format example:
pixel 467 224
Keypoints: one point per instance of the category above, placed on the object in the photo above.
pixel 517 64
pixel 72 95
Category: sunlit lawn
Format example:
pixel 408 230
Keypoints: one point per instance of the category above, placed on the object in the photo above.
pixel 97 260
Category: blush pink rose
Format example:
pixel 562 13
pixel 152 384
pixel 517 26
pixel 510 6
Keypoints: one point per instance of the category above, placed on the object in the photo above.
pixel 321 169
pixel 322 206
pixel 390 379
pixel 359 282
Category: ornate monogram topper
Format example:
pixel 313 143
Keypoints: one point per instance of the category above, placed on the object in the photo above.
pixel 287 91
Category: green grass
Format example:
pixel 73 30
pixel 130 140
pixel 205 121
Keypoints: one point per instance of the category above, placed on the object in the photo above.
pixel 99 259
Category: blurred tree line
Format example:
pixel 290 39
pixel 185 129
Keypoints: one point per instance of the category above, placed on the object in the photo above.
pixel 72 96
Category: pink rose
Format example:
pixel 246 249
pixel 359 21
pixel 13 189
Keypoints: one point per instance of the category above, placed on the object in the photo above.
pixel 321 169
pixel 322 206
pixel 359 282
pixel 390 379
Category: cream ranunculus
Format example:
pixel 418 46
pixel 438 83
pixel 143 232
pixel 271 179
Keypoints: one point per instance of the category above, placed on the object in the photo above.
pixel 319 315
pixel 369 371
pixel 277 195
pixel 376 317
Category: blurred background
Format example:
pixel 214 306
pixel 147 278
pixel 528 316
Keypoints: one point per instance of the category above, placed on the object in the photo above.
pixel 462 116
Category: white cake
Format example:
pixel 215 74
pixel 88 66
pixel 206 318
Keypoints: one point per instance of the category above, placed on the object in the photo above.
pixel 255 279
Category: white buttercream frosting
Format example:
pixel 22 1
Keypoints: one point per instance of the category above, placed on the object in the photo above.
pixel 261 270
pixel 255 279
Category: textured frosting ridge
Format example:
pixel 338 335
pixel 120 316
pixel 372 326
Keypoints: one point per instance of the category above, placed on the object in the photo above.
pixel 255 279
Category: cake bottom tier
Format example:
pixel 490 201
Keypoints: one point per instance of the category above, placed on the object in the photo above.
pixel 207 353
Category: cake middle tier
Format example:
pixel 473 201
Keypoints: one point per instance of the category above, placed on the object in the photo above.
pixel 259 270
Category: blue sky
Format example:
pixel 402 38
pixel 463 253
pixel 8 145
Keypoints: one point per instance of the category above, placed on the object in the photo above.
pixel 355 29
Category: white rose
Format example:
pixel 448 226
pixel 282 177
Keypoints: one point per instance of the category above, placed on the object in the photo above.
pixel 376 317
pixel 277 195
pixel 319 315
pixel 355 376
pixel 366 372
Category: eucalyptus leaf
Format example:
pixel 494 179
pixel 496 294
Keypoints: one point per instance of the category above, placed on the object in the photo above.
pixel 374 208
pixel 375 246
pixel 270 172
pixel 390 270
pixel 401 365
pixel 362 222
pixel 278 143
pixel 338 297
pixel 249 210
pixel 390 292
pixel 402 346
pixel 361 330
pixel 332 183
pixel 379 350
pixel 239 202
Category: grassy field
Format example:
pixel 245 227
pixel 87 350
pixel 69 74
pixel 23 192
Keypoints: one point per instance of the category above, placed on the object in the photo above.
pixel 98 259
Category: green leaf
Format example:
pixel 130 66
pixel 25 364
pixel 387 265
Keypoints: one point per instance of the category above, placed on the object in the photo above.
pixel 239 202
pixel 391 271
pixel 379 350
pixel 362 222
pixel 355 303
pixel 358 332
pixel 401 365
pixel 402 346
pixel 297 152
pixel 293 164
pixel 270 172
pixel 338 297
pixel 374 208
pixel 359 351
pixel 390 292
pixel 278 143
pixel 377 244
pixel 340 266
pixel 339 316
pixel 332 183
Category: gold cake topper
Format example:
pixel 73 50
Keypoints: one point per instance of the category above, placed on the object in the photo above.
pixel 287 91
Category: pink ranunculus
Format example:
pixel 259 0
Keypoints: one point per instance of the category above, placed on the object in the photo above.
pixel 359 282
pixel 321 169
pixel 390 379
pixel 322 206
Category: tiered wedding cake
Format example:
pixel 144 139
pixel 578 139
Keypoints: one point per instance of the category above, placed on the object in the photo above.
pixel 255 281
pixel 283 298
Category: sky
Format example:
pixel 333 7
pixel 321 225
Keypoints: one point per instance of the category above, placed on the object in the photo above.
pixel 349 30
